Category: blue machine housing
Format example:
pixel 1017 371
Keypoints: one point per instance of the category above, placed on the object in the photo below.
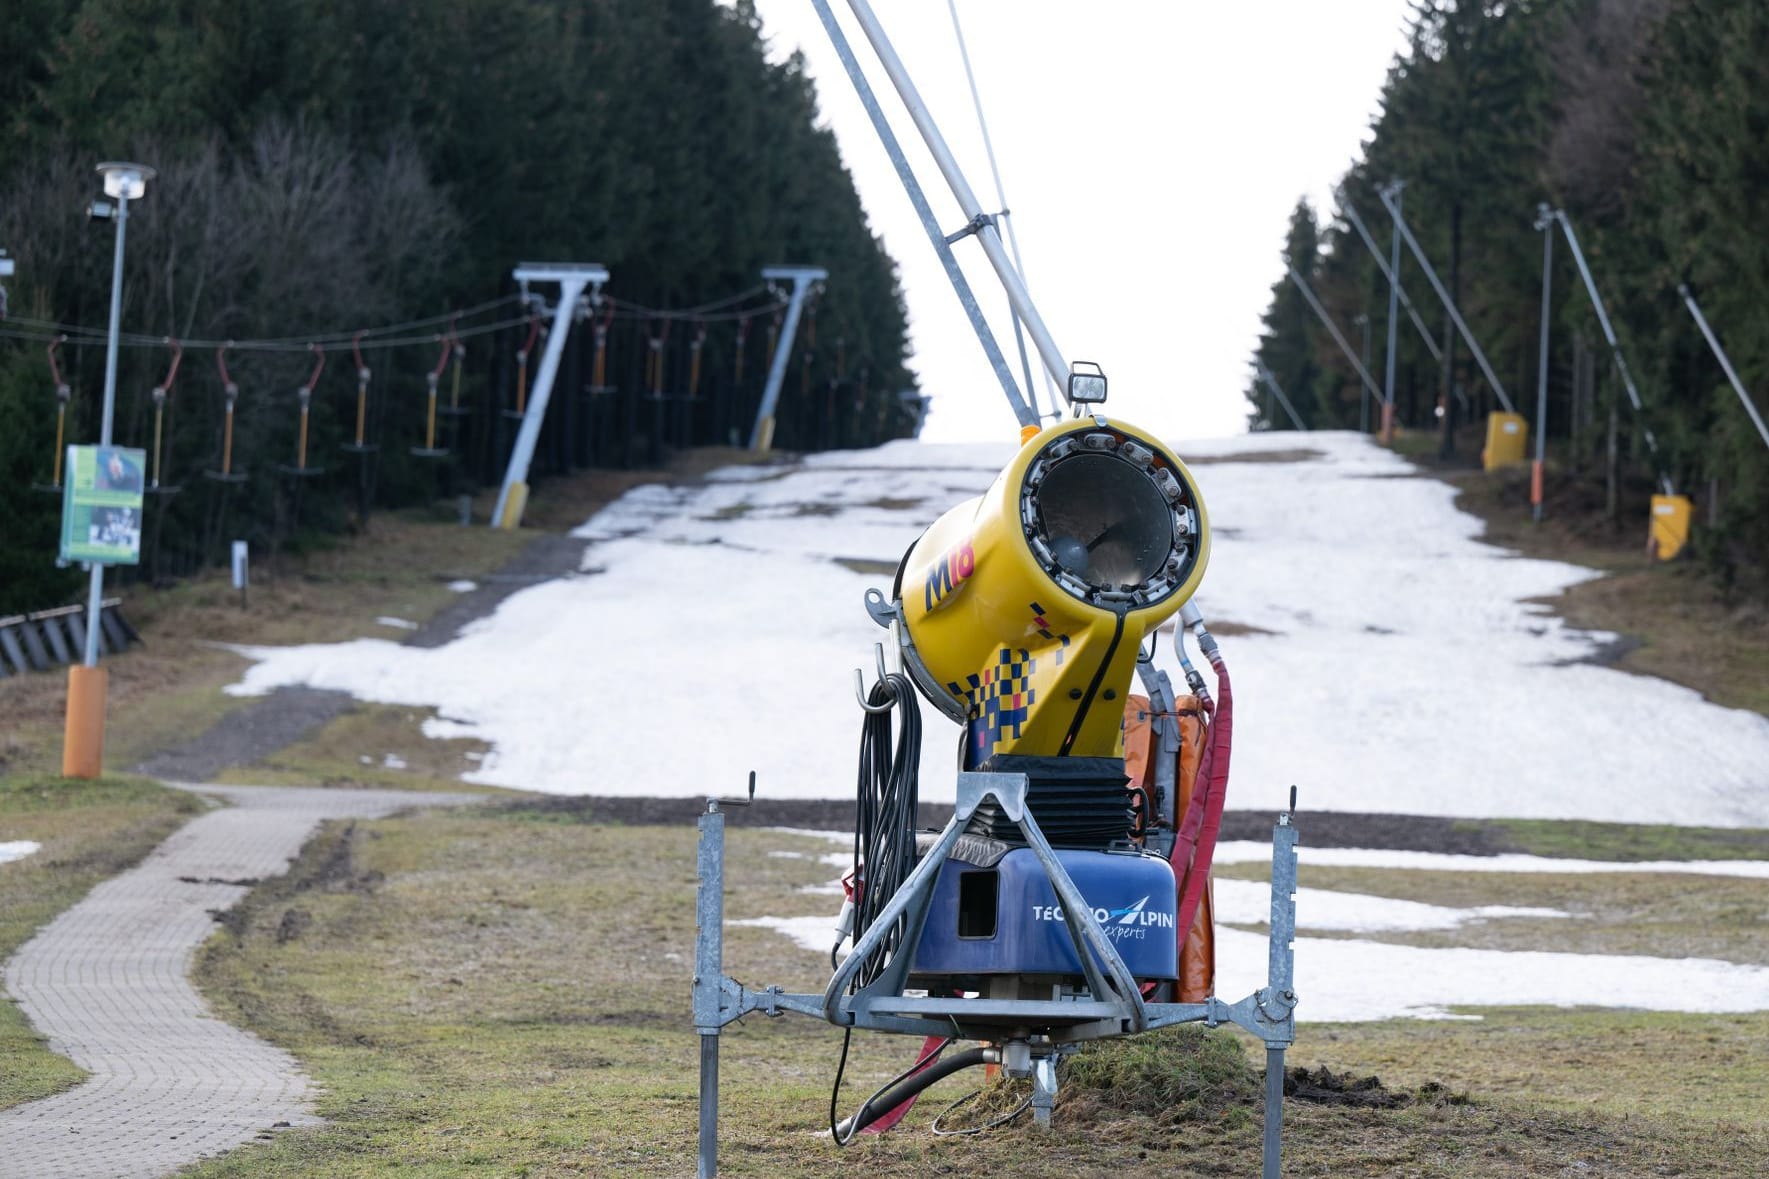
pixel 1003 918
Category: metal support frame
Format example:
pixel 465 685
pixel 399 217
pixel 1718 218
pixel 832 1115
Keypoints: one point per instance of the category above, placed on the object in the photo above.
pixel 1115 1006
pixel 1707 332
pixel 572 278
pixel 1544 223
pixel 1271 383
pixel 1382 264
pixel 1024 413
pixel 1314 304
pixel 761 437
pixel 984 224
pixel 1615 348
pixel 1400 224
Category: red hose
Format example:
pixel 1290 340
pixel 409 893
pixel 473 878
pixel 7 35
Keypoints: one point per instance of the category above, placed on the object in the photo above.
pixel 1195 846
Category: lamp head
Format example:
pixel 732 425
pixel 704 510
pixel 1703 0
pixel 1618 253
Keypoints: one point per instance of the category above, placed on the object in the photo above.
pixel 125 181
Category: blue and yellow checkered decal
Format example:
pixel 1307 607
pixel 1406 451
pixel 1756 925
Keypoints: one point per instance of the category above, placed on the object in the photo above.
pixel 1000 697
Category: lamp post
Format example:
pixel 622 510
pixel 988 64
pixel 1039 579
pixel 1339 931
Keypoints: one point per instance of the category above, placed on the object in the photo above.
pixel 83 748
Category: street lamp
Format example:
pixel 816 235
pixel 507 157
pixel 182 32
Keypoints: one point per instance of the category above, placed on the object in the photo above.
pixel 83 748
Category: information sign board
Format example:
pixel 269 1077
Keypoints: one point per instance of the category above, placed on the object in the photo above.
pixel 101 505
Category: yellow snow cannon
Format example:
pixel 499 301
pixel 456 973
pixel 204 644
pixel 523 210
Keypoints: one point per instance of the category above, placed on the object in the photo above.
pixel 1023 609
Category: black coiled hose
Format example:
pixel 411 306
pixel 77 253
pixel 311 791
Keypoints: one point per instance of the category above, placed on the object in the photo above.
pixel 885 812
pixel 884 850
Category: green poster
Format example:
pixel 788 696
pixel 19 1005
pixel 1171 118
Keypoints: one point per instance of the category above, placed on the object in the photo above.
pixel 101 505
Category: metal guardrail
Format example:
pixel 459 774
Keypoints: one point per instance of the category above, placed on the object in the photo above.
pixel 50 638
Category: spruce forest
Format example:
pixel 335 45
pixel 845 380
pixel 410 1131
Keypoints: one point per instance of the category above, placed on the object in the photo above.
pixel 1647 123
pixel 326 166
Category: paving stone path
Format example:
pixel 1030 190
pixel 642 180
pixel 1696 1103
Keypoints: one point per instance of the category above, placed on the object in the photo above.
pixel 108 983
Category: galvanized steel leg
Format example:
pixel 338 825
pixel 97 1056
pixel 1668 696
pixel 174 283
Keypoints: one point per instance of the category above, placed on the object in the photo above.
pixel 1043 1090
pixel 1278 1000
pixel 709 913
pixel 1274 1111
pixel 709 1105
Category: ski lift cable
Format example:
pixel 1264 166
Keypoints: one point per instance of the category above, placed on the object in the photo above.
pixel 83 338
pixel 702 308
pixel 394 335
pixel 1013 240
pixel 330 340
pixel 1025 414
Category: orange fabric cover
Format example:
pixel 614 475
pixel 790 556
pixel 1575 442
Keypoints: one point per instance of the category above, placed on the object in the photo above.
pixel 1197 958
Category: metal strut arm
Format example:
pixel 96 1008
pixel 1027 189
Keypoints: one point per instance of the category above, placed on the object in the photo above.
pixel 967 200
pixel 1025 414
pixel 1449 305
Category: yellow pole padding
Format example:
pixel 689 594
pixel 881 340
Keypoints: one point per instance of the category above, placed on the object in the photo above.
pixel 513 505
pixel 82 751
pixel 1507 437
pixel 1669 530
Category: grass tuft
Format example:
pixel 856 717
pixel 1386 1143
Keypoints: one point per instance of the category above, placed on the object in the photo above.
pixel 1178 1074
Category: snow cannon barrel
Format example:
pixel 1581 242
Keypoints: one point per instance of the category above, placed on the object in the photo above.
pixel 1024 608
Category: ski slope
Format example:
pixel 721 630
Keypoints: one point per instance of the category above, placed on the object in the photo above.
pixel 1398 663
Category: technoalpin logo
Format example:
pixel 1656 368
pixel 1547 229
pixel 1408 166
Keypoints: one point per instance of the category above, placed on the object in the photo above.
pixel 1129 921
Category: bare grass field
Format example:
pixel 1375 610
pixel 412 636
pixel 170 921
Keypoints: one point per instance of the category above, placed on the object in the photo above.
pixel 505 990
pixel 508 992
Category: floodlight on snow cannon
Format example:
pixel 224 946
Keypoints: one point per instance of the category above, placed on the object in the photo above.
pixel 1066 899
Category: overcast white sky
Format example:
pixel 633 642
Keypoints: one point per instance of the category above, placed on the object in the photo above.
pixel 1151 151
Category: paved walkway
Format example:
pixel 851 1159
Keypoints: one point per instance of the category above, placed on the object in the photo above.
pixel 107 982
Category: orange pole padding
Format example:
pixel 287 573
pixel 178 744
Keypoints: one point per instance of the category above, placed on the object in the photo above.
pixel 694 370
pixel 362 406
pixel 227 442
pixel 61 422
pixel 1027 433
pixel 301 446
pixel 1535 483
pixel 82 751
pixel 430 417
pixel 522 383
pixel 1387 423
